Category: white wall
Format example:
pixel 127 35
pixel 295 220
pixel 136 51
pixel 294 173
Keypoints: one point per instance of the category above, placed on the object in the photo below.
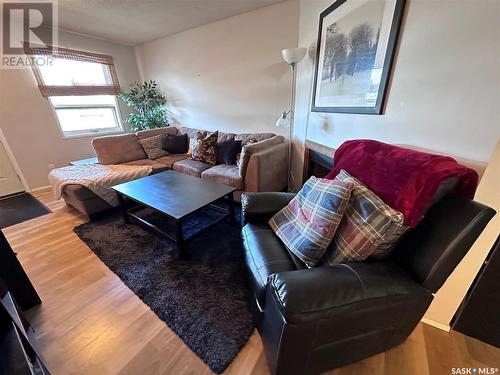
pixel 444 97
pixel 227 75
pixel 28 121
pixel 445 87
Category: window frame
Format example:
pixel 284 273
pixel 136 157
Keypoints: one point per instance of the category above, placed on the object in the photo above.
pixel 88 132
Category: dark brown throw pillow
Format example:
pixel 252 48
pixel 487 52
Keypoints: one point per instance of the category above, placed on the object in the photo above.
pixel 176 144
pixel 204 148
pixel 227 151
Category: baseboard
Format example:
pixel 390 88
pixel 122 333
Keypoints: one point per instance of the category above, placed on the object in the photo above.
pixel 441 326
pixel 41 188
pixel 12 195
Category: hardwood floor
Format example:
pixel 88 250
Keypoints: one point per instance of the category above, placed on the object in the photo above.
pixel 91 323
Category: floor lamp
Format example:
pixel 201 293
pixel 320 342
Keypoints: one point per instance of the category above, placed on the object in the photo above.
pixel 291 56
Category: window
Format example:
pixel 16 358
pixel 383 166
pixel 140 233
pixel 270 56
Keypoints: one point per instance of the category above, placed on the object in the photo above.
pixel 81 87
pixel 83 115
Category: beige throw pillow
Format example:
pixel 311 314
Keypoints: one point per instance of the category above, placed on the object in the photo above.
pixel 153 146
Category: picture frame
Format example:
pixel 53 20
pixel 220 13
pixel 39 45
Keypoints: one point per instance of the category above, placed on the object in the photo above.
pixel 354 55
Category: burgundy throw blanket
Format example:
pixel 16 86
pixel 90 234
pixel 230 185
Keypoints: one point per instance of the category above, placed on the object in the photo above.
pixel 405 179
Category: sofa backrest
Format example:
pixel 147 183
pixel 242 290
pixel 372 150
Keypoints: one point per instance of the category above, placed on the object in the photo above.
pixel 432 250
pixel 243 137
pixel 143 134
pixel 116 149
pixel 246 137
pixel 261 145
pixel 191 132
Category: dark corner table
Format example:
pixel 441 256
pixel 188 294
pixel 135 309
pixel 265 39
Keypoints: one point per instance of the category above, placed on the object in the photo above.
pixel 174 195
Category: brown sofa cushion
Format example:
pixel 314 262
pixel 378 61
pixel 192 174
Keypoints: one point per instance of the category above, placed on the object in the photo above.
pixel 191 167
pixel 170 159
pixel 157 166
pixel 225 174
pixel 152 132
pixel 117 149
pixel 246 137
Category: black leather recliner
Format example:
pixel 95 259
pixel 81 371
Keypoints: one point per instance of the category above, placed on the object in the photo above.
pixel 313 320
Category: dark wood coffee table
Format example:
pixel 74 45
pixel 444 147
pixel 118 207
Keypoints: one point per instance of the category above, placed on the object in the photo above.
pixel 174 195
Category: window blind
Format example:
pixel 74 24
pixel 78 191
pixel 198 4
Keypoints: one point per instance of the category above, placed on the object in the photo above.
pixel 72 72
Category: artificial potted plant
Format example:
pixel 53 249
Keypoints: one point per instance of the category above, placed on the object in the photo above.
pixel 148 104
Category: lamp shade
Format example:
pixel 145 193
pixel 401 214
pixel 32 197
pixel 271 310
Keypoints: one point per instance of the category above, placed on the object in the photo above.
pixel 293 55
pixel 283 121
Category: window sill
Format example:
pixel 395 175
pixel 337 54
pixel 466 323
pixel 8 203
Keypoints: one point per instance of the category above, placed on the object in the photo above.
pixel 93 135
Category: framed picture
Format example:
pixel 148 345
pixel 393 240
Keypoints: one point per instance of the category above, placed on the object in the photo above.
pixel 356 42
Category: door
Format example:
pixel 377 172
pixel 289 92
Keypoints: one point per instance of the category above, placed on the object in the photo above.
pixel 9 180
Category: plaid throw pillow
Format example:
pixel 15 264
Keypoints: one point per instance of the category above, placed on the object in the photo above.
pixel 204 148
pixel 307 224
pixel 369 227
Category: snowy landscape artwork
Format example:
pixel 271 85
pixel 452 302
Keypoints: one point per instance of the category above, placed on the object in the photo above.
pixel 356 40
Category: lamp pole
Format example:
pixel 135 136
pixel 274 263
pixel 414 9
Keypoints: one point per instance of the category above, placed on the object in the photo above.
pixel 290 179
pixel 291 56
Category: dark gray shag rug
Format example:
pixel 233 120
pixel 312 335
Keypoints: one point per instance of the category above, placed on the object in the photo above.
pixel 204 299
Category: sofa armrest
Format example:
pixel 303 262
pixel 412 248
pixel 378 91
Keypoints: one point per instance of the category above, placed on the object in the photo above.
pixel 324 292
pixel 252 148
pixel 260 207
pixel 267 170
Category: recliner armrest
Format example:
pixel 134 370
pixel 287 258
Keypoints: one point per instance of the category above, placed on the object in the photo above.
pixel 260 207
pixel 433 249
pixel 323 292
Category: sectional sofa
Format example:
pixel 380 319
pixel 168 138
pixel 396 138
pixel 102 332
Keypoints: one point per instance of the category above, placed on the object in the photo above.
pixel 262 165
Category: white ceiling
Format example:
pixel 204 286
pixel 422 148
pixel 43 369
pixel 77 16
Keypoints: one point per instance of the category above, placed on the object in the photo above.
pixel 137 21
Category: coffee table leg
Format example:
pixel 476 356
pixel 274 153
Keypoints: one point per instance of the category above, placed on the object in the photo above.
pixel 123 208
pixel 232 217
pixel 179 239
